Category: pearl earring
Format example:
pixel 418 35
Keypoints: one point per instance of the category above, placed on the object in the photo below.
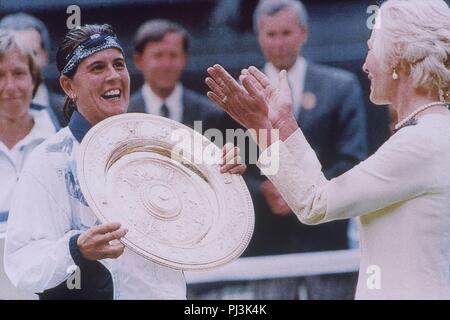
pixel 394 74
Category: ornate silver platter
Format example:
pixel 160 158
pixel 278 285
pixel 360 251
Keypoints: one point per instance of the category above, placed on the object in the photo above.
pixel 161 181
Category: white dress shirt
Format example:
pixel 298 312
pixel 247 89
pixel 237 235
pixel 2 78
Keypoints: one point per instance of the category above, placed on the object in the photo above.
pixel 401 196
pixel 296 77
pixel 12 161
pixel 174 102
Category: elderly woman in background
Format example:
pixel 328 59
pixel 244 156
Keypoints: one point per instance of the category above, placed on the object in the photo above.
pixel 23 125
pixel 51 226
pixel 401 194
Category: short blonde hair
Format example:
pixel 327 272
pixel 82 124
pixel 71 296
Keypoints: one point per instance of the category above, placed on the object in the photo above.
pixel 9 41
pixel 416 32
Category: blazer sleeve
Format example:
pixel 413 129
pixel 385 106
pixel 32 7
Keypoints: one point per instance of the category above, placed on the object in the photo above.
pixel 389 176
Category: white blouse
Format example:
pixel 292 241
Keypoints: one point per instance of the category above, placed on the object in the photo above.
pixel 401 195
pixel 12 160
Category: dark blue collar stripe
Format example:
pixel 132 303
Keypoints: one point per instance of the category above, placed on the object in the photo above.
pixel 3 216
pixel 37 107
pixel 79 126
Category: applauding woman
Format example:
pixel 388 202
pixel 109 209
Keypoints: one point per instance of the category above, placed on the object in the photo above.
pixel 401 194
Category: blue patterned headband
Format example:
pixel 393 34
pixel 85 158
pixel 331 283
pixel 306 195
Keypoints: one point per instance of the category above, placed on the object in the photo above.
pixel 88 47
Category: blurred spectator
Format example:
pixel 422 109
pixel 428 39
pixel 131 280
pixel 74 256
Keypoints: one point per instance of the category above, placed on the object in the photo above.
pixel 226 12
pixel 161 53
pixel 234 14
pixel 329 108
pixel 35 34
pixel 23 125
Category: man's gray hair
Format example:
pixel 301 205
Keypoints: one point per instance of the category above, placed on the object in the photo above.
pixel 22 21
pixel 155 30
pixel 272 7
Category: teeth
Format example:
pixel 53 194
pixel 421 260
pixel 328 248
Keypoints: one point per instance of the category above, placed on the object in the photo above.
pixel 112 92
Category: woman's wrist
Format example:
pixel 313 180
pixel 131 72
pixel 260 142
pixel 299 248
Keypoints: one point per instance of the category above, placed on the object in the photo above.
pixel 285 126
pixel 269 133
pixel 263 134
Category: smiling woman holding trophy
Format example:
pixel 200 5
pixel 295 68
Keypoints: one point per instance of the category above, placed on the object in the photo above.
pixel 105 196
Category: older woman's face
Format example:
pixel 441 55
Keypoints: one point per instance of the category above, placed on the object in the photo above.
pixel 382 84
pixel 16 85
pixel 102 85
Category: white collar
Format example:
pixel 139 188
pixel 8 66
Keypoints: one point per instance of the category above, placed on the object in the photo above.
pixel 43 128
pixel 174 102
pixel 298 68
pixel 43 125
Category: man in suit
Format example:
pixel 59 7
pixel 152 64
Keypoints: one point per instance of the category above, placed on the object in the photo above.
pixel 160 53
pixel 35 34
pixel 329 108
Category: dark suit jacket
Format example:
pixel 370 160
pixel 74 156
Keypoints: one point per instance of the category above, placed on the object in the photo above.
pixel 336 129
pixel 196 108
